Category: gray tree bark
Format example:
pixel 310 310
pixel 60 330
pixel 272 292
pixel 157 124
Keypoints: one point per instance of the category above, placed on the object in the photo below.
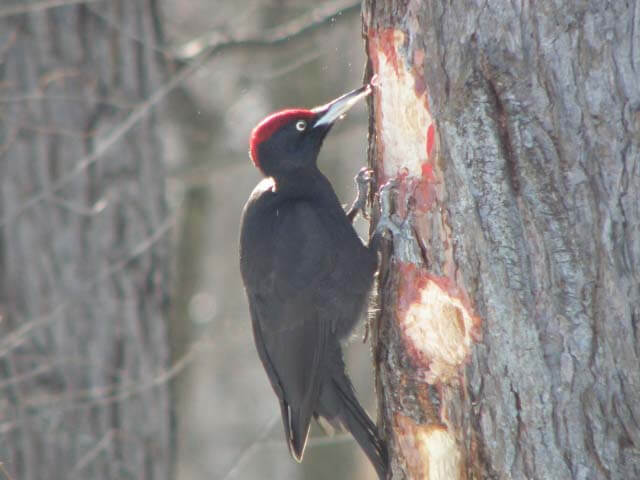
pixel 508 343
pixel 83 245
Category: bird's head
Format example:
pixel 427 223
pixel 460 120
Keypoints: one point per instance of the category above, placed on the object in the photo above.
pixel 289 140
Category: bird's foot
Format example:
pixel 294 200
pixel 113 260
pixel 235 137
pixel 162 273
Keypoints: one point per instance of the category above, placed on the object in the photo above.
pixel 405 243
pixel 363 180
pixel 388 221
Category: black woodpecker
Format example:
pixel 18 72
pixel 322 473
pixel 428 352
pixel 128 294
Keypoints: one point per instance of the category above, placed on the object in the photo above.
pixel 307 276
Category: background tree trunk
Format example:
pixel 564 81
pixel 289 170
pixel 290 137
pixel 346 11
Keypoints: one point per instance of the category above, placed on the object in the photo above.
pixel 83 245
pixel 508 339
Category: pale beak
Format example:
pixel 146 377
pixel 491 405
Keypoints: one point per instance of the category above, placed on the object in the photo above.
pixel 333 110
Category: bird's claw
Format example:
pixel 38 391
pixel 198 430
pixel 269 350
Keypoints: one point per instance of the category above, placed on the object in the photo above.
pixel 364 176
pixel 363 179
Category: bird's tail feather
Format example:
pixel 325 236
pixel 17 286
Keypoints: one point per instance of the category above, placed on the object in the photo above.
pixel 356 420
pixel 299 428
pixel 300 415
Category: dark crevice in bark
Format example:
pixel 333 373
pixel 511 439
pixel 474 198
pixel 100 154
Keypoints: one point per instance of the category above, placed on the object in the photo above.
pixel 502 125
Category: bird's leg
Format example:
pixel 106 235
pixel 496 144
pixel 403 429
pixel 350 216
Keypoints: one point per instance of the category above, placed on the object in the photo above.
pixel 363 180
pixel 405 245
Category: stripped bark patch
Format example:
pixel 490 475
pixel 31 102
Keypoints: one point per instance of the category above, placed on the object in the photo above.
pixel 403 120
pixel 437 322
pixel 430 451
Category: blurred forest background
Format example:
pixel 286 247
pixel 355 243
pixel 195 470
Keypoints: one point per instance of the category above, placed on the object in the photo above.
pixel 222 410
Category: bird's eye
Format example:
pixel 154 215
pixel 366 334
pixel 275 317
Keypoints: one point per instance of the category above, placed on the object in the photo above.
pixel 301 125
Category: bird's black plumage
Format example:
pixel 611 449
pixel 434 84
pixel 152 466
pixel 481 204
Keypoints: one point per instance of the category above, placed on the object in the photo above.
pixel 307 276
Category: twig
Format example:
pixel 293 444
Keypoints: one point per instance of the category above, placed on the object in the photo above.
pixel 250 449
pixel 113 393
pixel 122 393
pixel 93 453
pixel 109 394
pixel 291 66
pixel 37 6
pixel 4 472
pixel 41 97
pixel 261 441
pixel 316 18
pixel 34 372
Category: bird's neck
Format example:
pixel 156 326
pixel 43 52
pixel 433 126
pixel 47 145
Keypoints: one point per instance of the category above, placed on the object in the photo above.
pixel 303 183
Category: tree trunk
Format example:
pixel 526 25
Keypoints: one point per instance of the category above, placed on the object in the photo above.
pixel 83 245
pixel 508 340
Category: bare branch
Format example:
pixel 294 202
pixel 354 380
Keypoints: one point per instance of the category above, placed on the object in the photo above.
pixel 291 66
pixel 316 18
pixel 37 6
pixel 35 372
pixel 41 97
pixel 93 453
pixel 261 441
pixel 120 393
pixel 4 472
pixel 82 210
pixel 111 393
pixel 251 449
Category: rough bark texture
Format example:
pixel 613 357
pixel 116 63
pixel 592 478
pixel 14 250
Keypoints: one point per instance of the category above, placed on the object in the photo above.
pixel 83 246
pixel 514 128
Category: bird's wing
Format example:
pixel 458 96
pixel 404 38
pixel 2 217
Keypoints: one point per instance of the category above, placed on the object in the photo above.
pixel 256 313
pixel 292 356
pixel 291 326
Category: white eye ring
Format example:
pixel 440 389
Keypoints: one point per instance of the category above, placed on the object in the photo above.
pixel 301 125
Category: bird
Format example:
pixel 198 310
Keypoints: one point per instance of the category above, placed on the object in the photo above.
pixel 307 276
